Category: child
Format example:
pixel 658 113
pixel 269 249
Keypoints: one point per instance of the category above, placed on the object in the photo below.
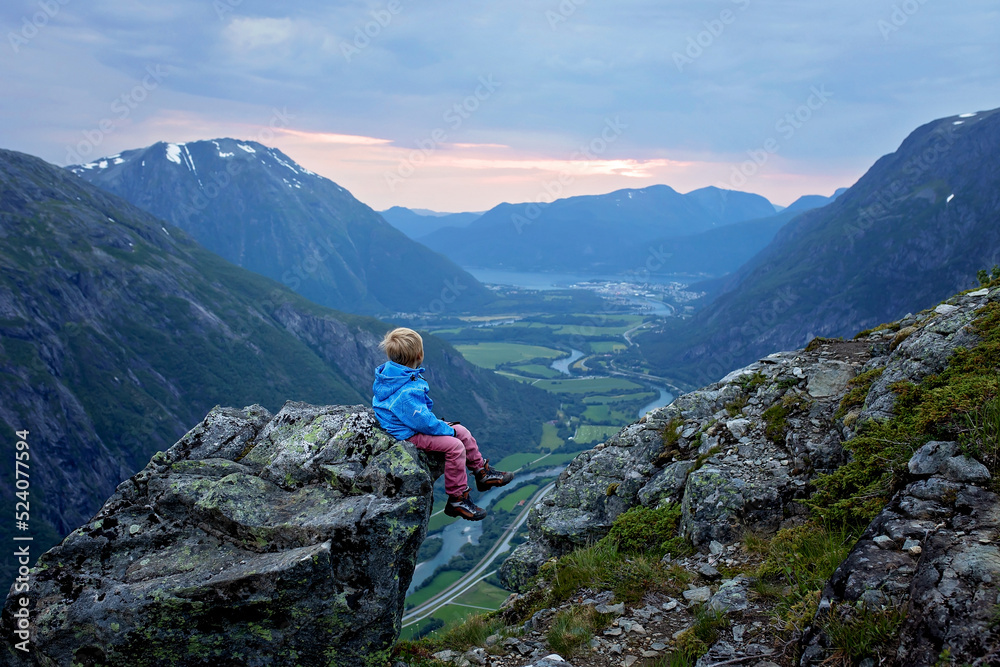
pixel 404 409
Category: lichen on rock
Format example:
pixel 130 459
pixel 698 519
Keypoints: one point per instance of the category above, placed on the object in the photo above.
pixel 255 540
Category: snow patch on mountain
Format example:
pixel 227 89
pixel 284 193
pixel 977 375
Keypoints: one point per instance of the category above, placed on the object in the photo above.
pixel 222 153
pixel 174 153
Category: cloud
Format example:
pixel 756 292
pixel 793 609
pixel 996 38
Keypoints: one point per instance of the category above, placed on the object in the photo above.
pixel 330 138
pixel 246 34
pixel 560 81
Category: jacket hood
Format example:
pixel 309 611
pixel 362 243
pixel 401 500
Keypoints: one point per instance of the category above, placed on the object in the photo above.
pixel 390 377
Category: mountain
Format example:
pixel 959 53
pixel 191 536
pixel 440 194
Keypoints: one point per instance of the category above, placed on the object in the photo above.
pixel 809 202
pixel 591 233
pixel 260 210
pixel 719 250
pixel 416 223
pixel 118 331
pixel 914 229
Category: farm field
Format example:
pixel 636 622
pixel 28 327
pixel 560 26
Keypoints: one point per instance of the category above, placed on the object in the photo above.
pixel 606 347
pixel 537 369
pixel 550 438
pixel 508 502
pixel 605 414
pixel 590 433
pixel 516 461
pixel 641 397
pixel 491 355
pixel 587 385
pixel 438 584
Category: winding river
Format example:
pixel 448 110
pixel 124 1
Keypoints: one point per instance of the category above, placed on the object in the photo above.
pixel 665 398
pixel 562 365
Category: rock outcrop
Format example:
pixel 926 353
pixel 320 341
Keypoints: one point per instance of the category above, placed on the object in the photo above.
pixel 932 554
pixel 735 454
pixel 738 454
pixel 255 540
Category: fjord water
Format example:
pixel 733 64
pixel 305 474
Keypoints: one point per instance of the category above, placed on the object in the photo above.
pixel 556 280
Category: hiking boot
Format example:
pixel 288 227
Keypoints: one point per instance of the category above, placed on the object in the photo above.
pixel 487 478
pixel 461 506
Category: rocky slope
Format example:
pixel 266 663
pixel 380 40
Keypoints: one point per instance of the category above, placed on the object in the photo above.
pixel 117 332
pixel 739 455
pixel 254 206
pixel 257 539
pixel 909 232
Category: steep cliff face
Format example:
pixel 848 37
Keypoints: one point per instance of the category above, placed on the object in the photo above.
pixel 888 437
pixel 255 540
pixel 257 208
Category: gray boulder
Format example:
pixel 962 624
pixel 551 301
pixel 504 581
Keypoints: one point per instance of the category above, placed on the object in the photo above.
pixel 667 484
pixel 829 378
pixel 932 551
pixel 929 341
pixel 732 596
pixel 255 540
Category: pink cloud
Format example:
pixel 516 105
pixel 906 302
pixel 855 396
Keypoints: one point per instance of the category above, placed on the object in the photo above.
pixel 477 176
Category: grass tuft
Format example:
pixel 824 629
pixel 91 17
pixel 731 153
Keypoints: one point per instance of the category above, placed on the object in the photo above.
pixel 819 342
pixel 981 438
pixel 471 632
pixel 776 417
pixel 653 532
pixel 862 633
pixel 858 388
pixel 939 408
pixel 750 383
pixel 696 640
pixel 735 406
pixel 573 628
pixel 797 564
pixel 672 433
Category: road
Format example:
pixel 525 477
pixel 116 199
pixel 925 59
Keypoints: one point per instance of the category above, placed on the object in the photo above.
pixel 478 573
pixel 628 339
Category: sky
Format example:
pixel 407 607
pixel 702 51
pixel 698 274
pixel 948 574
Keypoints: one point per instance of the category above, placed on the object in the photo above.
pixel 461 105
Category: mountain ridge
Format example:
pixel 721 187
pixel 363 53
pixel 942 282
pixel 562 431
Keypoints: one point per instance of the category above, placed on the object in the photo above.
pixel 591 231
pixel 924 211
pixel 417 224
pixel 257 208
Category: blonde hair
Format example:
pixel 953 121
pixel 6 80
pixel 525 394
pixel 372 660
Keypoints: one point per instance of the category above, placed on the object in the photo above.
pixel 404 346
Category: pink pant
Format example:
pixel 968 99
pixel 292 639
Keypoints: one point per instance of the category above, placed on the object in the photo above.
pixel 460 452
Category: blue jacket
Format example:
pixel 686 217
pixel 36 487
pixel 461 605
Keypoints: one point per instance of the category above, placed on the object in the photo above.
pixel 401 402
